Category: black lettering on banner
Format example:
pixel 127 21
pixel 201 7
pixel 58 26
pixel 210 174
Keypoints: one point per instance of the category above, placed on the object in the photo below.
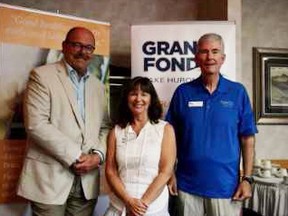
pixel 159 53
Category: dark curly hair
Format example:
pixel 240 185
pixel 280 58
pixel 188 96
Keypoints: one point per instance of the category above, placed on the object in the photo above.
pixel 154 110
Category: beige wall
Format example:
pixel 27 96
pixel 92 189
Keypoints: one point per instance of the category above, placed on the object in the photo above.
pixel 234 10
pixel 265 24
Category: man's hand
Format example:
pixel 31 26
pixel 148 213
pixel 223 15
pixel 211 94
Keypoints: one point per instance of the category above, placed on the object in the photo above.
pixel 86 163
pixel 172 185
pixel 243 191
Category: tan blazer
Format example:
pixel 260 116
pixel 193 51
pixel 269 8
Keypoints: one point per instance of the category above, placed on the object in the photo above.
pixel 57 134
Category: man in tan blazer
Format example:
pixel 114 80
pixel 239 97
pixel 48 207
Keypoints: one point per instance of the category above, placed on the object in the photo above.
pixel 67 123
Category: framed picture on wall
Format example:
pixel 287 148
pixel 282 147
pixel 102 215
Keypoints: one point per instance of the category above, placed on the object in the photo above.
pixel 270 85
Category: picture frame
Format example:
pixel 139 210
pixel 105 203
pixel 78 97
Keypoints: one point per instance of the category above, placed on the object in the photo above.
pixel 270 85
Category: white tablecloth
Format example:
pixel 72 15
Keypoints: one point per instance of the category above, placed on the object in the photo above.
pixel 270 197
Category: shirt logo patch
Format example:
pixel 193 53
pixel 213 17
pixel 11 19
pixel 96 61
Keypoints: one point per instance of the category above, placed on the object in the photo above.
pixel 227 104
pixel 195 104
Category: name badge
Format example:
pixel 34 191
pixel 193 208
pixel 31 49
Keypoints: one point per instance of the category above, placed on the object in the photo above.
pixel 195 104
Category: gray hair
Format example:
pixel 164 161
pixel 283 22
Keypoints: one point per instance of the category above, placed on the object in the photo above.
pixel 211 36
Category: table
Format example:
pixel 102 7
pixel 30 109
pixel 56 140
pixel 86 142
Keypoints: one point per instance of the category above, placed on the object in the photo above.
pixel 269 198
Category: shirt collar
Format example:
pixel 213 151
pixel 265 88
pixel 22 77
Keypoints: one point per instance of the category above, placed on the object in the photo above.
pixel 221 87
pixel 72 70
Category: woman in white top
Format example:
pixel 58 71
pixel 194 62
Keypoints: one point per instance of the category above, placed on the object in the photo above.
pixel 141 154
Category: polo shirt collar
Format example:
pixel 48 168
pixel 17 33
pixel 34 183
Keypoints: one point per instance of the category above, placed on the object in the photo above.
pixel 221 87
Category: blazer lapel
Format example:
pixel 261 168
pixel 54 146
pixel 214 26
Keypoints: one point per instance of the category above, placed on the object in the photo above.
pixel 70 92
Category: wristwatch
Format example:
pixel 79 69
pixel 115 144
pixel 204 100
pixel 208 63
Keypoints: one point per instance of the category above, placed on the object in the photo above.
pixel 249 179
pixel 94 151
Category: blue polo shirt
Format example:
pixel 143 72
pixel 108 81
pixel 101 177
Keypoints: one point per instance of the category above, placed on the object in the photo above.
pixel 208 128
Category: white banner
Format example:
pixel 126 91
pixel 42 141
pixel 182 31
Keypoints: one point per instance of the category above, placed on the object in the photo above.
pixel 165 52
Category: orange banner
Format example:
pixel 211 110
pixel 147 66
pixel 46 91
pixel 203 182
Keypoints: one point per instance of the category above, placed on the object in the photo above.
pixel 33 38
pixel 11 157
pixel 47 30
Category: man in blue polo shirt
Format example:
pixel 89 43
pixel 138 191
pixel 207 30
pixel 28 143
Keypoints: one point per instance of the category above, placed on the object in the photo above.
pixel 214 124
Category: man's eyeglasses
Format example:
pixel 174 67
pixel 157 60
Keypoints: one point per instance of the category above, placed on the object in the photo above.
pixel 79 46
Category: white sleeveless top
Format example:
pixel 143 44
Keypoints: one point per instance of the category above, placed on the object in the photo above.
pixel 138 160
